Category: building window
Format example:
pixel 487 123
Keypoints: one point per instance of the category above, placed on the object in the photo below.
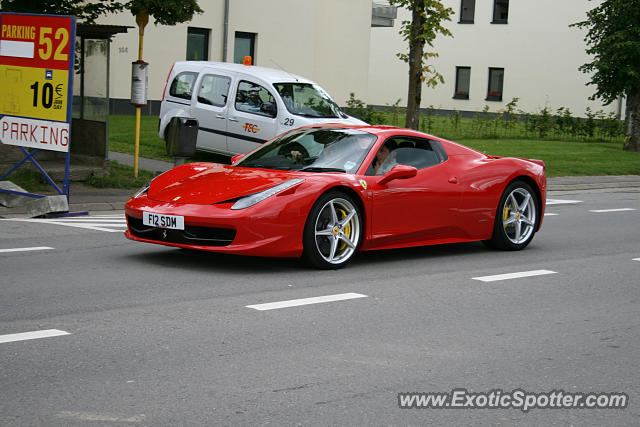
pixel 244 46
pixel 467 11
pixel 197 44
pixel 496 79
pixel 463 78
pixel 500 11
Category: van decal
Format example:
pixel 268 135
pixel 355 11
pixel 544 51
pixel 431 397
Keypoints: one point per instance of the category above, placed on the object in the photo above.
pixel 233 135
pixel 250 127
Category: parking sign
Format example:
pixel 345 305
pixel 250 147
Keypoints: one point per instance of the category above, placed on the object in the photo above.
pixel 36 72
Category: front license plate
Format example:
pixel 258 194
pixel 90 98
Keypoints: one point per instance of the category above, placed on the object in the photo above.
pixel 163 221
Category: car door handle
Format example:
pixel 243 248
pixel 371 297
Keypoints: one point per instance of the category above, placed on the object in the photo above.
pixel 453 180
pixel 233 119
pixel 220 117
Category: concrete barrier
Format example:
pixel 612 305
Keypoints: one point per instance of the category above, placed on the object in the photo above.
pixel 12 200
pixel 45 205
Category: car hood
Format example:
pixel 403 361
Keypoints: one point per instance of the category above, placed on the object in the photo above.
pixel 208 183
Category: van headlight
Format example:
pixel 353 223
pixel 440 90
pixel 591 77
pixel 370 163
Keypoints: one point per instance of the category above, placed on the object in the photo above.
pixel 252 199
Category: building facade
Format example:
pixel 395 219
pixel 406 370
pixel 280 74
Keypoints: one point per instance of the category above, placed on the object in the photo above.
pixel 501 50
pixel 324 40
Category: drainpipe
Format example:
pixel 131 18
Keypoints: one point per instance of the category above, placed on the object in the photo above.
pixel 225 35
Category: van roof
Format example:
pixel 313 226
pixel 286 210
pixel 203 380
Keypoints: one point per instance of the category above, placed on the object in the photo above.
pixel 268 74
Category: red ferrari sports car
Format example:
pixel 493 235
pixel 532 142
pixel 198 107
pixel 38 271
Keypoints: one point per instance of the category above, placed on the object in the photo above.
pixel 324 192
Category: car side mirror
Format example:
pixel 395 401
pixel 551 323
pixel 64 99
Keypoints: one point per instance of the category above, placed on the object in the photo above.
pixel 269 108
pixel 235 159
pixel 398 172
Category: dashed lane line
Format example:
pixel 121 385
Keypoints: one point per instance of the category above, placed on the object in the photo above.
pixel 97 417
pixel 305 301
pixel 612 210
pixel 562 202
pixel 516 275
pixel 47 333
pixel 35 248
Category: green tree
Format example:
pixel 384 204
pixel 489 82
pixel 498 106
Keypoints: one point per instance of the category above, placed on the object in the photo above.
pixel 165 12
pixel 613 39
pixel 426 23
pixel 87 12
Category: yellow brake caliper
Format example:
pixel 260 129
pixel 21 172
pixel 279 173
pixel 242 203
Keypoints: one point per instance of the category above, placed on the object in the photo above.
pixel 347 229
pixel 505 215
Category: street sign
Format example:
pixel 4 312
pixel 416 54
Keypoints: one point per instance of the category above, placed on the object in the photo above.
pixel 36 72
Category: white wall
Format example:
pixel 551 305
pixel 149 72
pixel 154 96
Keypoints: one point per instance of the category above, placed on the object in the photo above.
pixel 332 42
pixel 324 40
pixel 537 49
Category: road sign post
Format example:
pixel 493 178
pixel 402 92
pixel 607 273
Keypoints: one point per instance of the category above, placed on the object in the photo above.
pixel 36 77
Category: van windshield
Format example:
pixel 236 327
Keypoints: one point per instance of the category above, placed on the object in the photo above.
pixel 308 100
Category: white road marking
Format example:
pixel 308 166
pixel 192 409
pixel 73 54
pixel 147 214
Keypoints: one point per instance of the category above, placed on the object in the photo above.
pixel 86 219
pixel 305 301
pixel 92 416
pixel 562 202
pixel 47 333
pixel 550 214
pixel 612 210
pixel 35 248
pixel 517 275
pixel 108 223
pixel 636 259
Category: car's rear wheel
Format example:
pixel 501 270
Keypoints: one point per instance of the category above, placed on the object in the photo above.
pixel 333 231
pixel 516 218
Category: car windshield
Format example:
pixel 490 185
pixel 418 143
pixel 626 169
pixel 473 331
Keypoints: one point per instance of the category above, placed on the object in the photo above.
pixel 308 100
pixel 313 150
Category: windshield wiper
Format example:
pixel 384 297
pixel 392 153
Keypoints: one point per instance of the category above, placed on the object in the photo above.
pixel 320 169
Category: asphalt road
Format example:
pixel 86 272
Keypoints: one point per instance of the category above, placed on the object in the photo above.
pixel 163 337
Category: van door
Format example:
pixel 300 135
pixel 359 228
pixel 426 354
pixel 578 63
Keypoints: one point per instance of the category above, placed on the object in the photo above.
pixel 210 105
pixel 252 117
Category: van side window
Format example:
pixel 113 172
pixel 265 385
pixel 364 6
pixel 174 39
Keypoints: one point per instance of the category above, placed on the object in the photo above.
pixel 182 85
pixel 214 90
pixel 255 99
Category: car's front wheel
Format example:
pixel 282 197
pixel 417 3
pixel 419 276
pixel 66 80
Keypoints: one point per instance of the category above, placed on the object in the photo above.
pixel 516 218
pixel 333 231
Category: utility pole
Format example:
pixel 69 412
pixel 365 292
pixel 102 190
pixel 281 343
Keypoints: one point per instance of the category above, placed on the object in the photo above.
pixel 142 18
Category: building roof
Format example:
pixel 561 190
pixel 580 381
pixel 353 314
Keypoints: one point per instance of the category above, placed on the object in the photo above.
pixel 95 31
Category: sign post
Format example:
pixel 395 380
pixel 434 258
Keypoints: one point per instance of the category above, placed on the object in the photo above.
pixel 36 77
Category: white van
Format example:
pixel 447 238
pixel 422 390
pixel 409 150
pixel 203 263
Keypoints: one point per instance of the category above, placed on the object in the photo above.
pixel 240 106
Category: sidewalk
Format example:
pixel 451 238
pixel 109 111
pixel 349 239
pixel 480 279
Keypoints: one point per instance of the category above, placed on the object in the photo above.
pixel 568 183
pixel 151 165
pixel 83 198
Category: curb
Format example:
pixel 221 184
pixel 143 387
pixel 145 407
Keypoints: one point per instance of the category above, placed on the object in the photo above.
pixel 593 186
pixel 90 207
pixel 561 184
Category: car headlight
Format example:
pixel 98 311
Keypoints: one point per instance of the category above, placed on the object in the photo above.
pixel 252 199
pixel 144 190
